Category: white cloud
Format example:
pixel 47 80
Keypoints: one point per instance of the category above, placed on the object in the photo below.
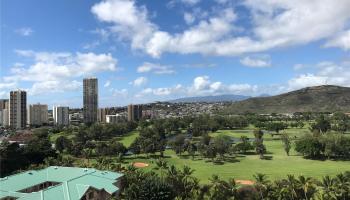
pixel 163 91
pixel 202 85
pixel 190 2
pixel 54 86
pixel 55 71
pixel 298 66
pixel 107 84
pixel 155 68
pixel 189 18
pixel 256 61
pixel 117 93
pixel 140 81
pixel 342 40
pixel 275 24
pixel 25 31
pixel 327 73
pixel 10 85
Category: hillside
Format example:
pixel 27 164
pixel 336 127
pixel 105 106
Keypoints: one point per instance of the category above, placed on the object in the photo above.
pixel 217 98
pixel 326 98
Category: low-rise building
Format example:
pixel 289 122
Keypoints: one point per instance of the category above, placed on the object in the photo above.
pixel 66 183
pixel 113 119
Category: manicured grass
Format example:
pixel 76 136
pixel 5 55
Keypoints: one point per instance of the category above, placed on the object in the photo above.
pixel 128 138
pixel 53 137
pixel 245 166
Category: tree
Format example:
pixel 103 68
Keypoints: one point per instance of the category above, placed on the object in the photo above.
pixel 118 148
pixel 220 189
pixel 310 146
pixel 148 187
pixel 276 126
pixel 259 143
pixel 322 125
pixel 38 149
pixel 286 143
pixel 87 153
pixel 178 144
pixel 261 184
pixel 182 181
pixel 135 146
pixel 162 165
pixel 244 145
pixel 191 149
pixel 222 145
pixel 307 185
pixel 63 143
pixel 11 158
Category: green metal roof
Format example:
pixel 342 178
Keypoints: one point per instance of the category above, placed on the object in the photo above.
pixel 74 182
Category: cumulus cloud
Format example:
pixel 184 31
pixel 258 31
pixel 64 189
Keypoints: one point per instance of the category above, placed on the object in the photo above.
pixel 327 73
pixel 256 61
pixel 25 31
pixel 202 85
pixel 342 40
pixel 275 24
pixel 56 71
pixel 139 81
pixel 155 68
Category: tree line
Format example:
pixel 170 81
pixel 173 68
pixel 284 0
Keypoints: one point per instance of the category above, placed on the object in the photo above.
pixel 173 183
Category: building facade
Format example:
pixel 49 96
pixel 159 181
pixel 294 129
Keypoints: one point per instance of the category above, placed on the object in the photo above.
pixel 4 112
pixel 134 112
pixel 102 112
pixel 37 114
pixel 18 109
pixel 90 101
pixel 60 115
pixel 113 119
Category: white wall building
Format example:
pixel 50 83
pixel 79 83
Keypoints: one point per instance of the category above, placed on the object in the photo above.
pixel 112 119
pixel 60 115
pixel 37 114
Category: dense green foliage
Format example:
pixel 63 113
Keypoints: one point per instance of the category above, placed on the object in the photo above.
pixel 181 184
pixel 336 146
pixel 14 157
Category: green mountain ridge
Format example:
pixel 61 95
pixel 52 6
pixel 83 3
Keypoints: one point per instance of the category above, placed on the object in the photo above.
pixel 324 98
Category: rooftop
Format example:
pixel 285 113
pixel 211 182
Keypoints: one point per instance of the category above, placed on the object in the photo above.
pixel 73 183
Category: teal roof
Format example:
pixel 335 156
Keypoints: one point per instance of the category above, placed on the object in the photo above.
pixel 74 182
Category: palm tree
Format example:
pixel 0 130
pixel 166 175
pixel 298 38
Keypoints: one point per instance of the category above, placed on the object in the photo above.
pixel 343 185
pixel 292 186
pixel 87 154
pixel 306 185
pixel 162 165
pixel 329 186
pixel 261 183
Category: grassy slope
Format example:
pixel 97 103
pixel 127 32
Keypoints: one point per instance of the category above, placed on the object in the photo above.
pixel 245 167
pixel 128 138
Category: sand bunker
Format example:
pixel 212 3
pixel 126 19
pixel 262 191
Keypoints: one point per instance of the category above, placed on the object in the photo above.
pixel 140 164
pixel 245 182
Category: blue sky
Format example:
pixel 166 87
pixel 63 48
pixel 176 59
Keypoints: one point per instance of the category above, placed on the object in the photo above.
pixel 143 51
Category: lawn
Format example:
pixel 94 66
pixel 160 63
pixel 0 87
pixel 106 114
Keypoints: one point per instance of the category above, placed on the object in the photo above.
pixel 128 138
pixel 244 167
pixel 53 137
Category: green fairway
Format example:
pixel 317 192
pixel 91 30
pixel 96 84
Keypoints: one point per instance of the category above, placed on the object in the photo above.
pixel 128 138
pixel 244 167
pixel 53 137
